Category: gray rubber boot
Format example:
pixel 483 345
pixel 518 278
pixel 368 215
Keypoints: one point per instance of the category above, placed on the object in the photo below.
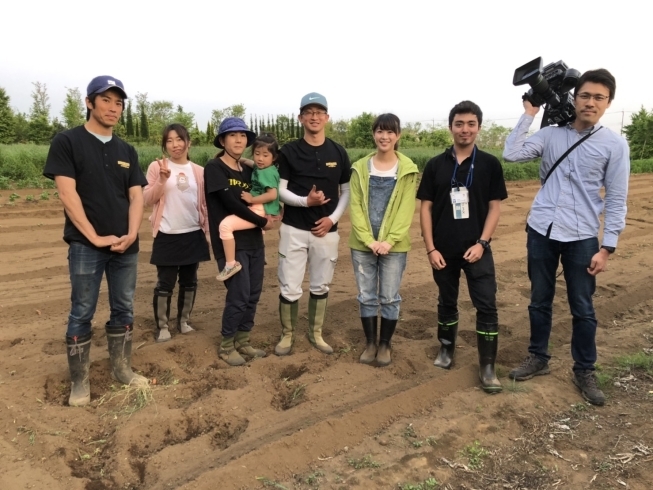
pixel 447 334
pixel 316 315
pixel 119 339
pixel 79 363
pixel 487 338
pixel 288 314
pixel 161 304
pixel 185 303
pixel 243 346
pixel 370 327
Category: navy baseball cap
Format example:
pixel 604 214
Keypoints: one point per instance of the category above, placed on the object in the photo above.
pixel 314 99
pixel 103 83
pixel 233 125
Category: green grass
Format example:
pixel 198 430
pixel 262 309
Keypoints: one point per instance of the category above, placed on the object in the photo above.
pixel 365 462
pixel 475 454
pixel 640 360
pixel 428 484
pixel 21 165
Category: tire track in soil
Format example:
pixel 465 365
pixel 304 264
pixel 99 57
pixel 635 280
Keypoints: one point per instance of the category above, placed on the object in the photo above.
pixel 290 443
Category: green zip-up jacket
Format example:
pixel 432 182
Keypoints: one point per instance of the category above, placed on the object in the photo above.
pixel 398 215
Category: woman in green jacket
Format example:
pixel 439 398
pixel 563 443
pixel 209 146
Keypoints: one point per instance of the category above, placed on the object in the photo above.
pixel 382 204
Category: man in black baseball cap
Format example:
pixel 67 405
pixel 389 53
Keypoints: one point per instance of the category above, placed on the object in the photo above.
pixel 100 186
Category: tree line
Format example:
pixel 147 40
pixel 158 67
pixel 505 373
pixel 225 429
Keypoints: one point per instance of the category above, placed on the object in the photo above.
pixel 142 122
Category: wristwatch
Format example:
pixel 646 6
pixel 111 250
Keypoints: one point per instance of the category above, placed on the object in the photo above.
pixel 484 243
pixel 610 250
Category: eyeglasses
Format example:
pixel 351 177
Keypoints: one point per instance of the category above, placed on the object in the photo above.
pixel 596 97
pixel 314 113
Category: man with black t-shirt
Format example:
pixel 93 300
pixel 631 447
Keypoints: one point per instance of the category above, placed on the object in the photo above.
pixel 100 185
pixel 461 192
pixel 314 187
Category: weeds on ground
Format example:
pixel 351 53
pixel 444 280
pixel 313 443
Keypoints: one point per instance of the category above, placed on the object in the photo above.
pixel 131 399
pixel 31 434
pixel 314 478
pixel 409 432
pixel 603 378
pixel 428 484
pixel 29 197
pixel 640 360
pixel 45 195
pixel 579 407
pixel 365 462
pixel 270 483
pixel 13 196
pixel 475 453
pixel 516 387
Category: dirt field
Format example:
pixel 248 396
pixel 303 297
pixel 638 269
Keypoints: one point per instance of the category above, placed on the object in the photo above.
pixel 315 421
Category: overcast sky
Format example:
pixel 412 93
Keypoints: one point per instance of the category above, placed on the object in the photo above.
pixel 414 58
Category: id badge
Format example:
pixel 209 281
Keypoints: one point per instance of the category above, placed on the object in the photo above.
pixel 460 202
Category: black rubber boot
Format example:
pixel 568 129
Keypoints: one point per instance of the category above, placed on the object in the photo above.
pixel 383 357
pixel 185 303
pixel 79 363
pixel 119 339
pixel 288 314
pixel 370 327
pixel 487 339
pixel 161 304
pixel 447 333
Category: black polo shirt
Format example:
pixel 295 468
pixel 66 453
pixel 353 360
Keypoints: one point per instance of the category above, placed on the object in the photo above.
pixel 103 174
pixel 304 166
pixel 222 188
pixel 452 237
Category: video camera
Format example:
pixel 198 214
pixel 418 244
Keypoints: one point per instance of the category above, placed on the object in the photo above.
pixel 550 86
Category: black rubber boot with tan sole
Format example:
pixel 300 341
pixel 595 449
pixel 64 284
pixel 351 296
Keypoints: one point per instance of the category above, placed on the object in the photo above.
pixel 370 327
pixel 383 356
pixel 161 305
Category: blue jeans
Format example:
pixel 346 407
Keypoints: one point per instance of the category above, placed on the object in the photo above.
pixel 544 255
pixel 86 266
pixel 243 292
pixel 378 278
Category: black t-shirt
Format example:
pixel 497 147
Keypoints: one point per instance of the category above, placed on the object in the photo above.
pixel 223 187
pixel 103 174
pixel 304 166
pixel 452 237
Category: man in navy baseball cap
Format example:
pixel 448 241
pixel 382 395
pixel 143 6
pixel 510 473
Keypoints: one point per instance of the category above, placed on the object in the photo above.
pixel 100 186
pixel 103 83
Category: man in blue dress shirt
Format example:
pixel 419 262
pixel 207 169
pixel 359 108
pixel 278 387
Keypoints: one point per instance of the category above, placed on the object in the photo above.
pixel 563 225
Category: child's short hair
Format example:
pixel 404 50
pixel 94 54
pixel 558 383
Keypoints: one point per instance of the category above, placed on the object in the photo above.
pixel 267 141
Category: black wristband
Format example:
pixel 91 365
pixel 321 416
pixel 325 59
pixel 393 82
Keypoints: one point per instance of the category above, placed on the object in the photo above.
pixel 483 243
pixel 429 253
pixel 610 250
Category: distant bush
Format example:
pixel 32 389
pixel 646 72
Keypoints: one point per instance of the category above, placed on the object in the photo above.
pixel 641 166
pixel 22 165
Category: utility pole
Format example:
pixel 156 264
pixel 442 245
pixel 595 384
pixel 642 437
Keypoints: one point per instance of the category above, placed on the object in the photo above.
pixel 622 122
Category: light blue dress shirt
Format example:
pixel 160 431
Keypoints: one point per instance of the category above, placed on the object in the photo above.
pixel 570 201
